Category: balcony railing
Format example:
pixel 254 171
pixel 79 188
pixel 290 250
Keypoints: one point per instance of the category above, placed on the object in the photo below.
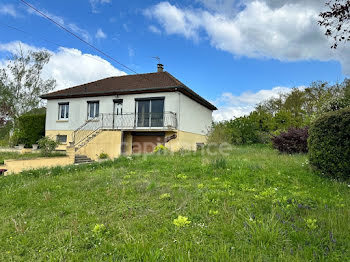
pixel 129 121
pixel 166 120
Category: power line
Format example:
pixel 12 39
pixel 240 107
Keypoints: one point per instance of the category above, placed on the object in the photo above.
pixel 78 37
pixel 46 40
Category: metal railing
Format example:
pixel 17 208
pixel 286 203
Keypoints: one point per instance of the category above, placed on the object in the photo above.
pixel 166 120
pixel 90 127
pixel 128 121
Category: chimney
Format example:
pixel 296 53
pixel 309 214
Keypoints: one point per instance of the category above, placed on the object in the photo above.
pixel 160 68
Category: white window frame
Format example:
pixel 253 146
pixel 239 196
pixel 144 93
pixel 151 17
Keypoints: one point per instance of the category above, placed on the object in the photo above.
pixel 65 108
pixel 96 109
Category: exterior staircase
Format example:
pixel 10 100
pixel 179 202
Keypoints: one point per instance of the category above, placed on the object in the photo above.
pixel 91 128
pixel 81 159
pixel 87 139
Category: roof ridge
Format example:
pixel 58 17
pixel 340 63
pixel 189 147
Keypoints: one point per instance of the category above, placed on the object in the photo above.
pixel 174 78
pixel 111 77
pixel 88 83
pixel 129 83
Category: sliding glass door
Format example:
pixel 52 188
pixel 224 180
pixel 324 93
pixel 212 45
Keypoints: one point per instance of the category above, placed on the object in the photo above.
pixel 150 112
pixel 143 110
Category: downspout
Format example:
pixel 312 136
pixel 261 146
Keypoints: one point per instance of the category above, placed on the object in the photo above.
pixel 178 109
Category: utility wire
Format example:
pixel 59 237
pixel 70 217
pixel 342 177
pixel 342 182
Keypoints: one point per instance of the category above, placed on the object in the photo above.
pixel 75 35
pixel 46 40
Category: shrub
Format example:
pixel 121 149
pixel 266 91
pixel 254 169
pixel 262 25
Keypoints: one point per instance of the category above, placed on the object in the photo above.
pixel 160 149
pixel 30 128
pixel 4 143
pixel 291 142
pixel 103 156
pixel 329 144
pixel 5 130
pixel 219 133
pixel 244 131
pixel 47 145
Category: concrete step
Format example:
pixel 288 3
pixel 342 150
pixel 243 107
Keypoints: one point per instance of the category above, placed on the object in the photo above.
pixel 83 158
pixel 80 156
pixel 83 162
pixel 80 159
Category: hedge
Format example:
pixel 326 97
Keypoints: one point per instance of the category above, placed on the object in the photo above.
pixel 30 128
pixel 329 144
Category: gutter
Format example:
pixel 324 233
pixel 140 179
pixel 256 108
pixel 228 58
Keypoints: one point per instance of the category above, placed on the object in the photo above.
pixel 183 89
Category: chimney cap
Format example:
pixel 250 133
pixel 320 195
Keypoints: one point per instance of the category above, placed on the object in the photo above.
pixel 160 68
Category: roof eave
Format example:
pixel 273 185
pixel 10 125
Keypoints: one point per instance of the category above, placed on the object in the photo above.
pixel 185 90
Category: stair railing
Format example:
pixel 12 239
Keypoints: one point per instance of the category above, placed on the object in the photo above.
pixel 90 127
pixel 128 121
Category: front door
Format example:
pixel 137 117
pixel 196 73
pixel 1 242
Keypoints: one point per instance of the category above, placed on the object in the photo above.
pixel 117 114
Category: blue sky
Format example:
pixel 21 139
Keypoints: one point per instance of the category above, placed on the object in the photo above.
pixel 234 53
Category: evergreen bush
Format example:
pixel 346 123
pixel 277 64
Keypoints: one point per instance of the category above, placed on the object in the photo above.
pixel 329 144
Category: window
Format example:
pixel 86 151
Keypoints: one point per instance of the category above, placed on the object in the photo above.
pixel 93 109
pixel 62 139
pixel 63 111
pixel 150 112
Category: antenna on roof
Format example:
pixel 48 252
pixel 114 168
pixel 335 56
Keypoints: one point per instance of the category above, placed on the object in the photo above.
pixel 160 67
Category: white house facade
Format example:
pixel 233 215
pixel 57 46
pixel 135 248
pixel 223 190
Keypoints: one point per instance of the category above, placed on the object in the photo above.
pixel 128 114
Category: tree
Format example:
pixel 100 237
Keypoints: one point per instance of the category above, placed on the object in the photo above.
pixel 4 111
pixel 21 83
pixel 294 102
pixel 337 21
pixel 340 99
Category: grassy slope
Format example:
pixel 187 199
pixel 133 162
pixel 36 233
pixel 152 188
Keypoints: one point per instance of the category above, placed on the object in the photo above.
pixel 263 201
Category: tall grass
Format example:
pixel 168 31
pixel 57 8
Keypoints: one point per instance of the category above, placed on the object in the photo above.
pixel 253 205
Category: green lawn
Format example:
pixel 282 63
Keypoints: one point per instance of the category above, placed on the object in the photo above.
pixel 253 205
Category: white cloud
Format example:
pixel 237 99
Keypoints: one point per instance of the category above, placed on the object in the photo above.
pixel 283 30
pixel 69 66
pixel 154 29
pixel 175 20
pixel 16 46
pixel 60 20
pixel 56 18
pixel 8 10
pixel 83 33
pixel 95 3
pixel 100 34
pixel 230 105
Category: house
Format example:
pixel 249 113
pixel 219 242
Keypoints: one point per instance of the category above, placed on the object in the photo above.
pixel 128 114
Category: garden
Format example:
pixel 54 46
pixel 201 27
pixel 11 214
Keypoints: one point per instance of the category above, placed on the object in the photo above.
pixel 252 204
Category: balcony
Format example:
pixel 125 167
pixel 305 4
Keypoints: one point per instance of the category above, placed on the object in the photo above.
pixel 132 121
pixel 145 121
pixel 142 121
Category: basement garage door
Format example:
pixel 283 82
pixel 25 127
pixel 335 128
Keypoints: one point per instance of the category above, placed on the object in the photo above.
pixel 145 142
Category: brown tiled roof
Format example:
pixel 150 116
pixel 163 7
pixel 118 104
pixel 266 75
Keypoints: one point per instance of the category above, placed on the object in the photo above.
pixel 130 84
